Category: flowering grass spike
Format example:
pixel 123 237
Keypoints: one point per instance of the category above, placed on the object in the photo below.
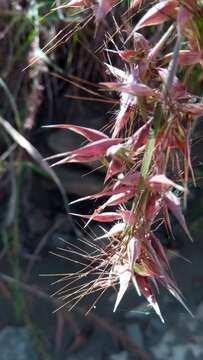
pixel 147 156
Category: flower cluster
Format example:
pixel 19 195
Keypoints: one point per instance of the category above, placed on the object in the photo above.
pixel 147 156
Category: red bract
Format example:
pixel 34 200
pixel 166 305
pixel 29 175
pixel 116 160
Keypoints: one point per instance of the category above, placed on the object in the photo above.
pixel 163 11
pixel 134 250
pixel 114 168
pixel 161 183
pixel 130 56
pixel 118 73
pixel 89 134
pixel 173 203
pixel 193 109
pixel 126 110
pixel 128 217
pixel 153 207
pixel 178 89
pixel 131 88
pixel 160 252
pixel 185 57
pixel 140 137
pixel 130 179
pixel 135 4
pixel 102 217
pixel 124 275
pixel 117 199
pixel 186 22
pixel 109 190
pixel 90 152
pixel 146 290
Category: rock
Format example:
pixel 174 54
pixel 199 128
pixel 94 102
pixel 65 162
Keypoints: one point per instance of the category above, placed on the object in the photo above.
pixel 120 356
pixel 38 221
pixel 62 233
pixel 199 312
pixel 183 341
pixel 16 344
pixel 135 334
pixel 75 357
pixel 99 346
pixel 153 330
pixel 169 349
pixel 76 181
pixel 60 141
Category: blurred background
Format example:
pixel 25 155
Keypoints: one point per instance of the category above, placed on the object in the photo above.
pixel 48 75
